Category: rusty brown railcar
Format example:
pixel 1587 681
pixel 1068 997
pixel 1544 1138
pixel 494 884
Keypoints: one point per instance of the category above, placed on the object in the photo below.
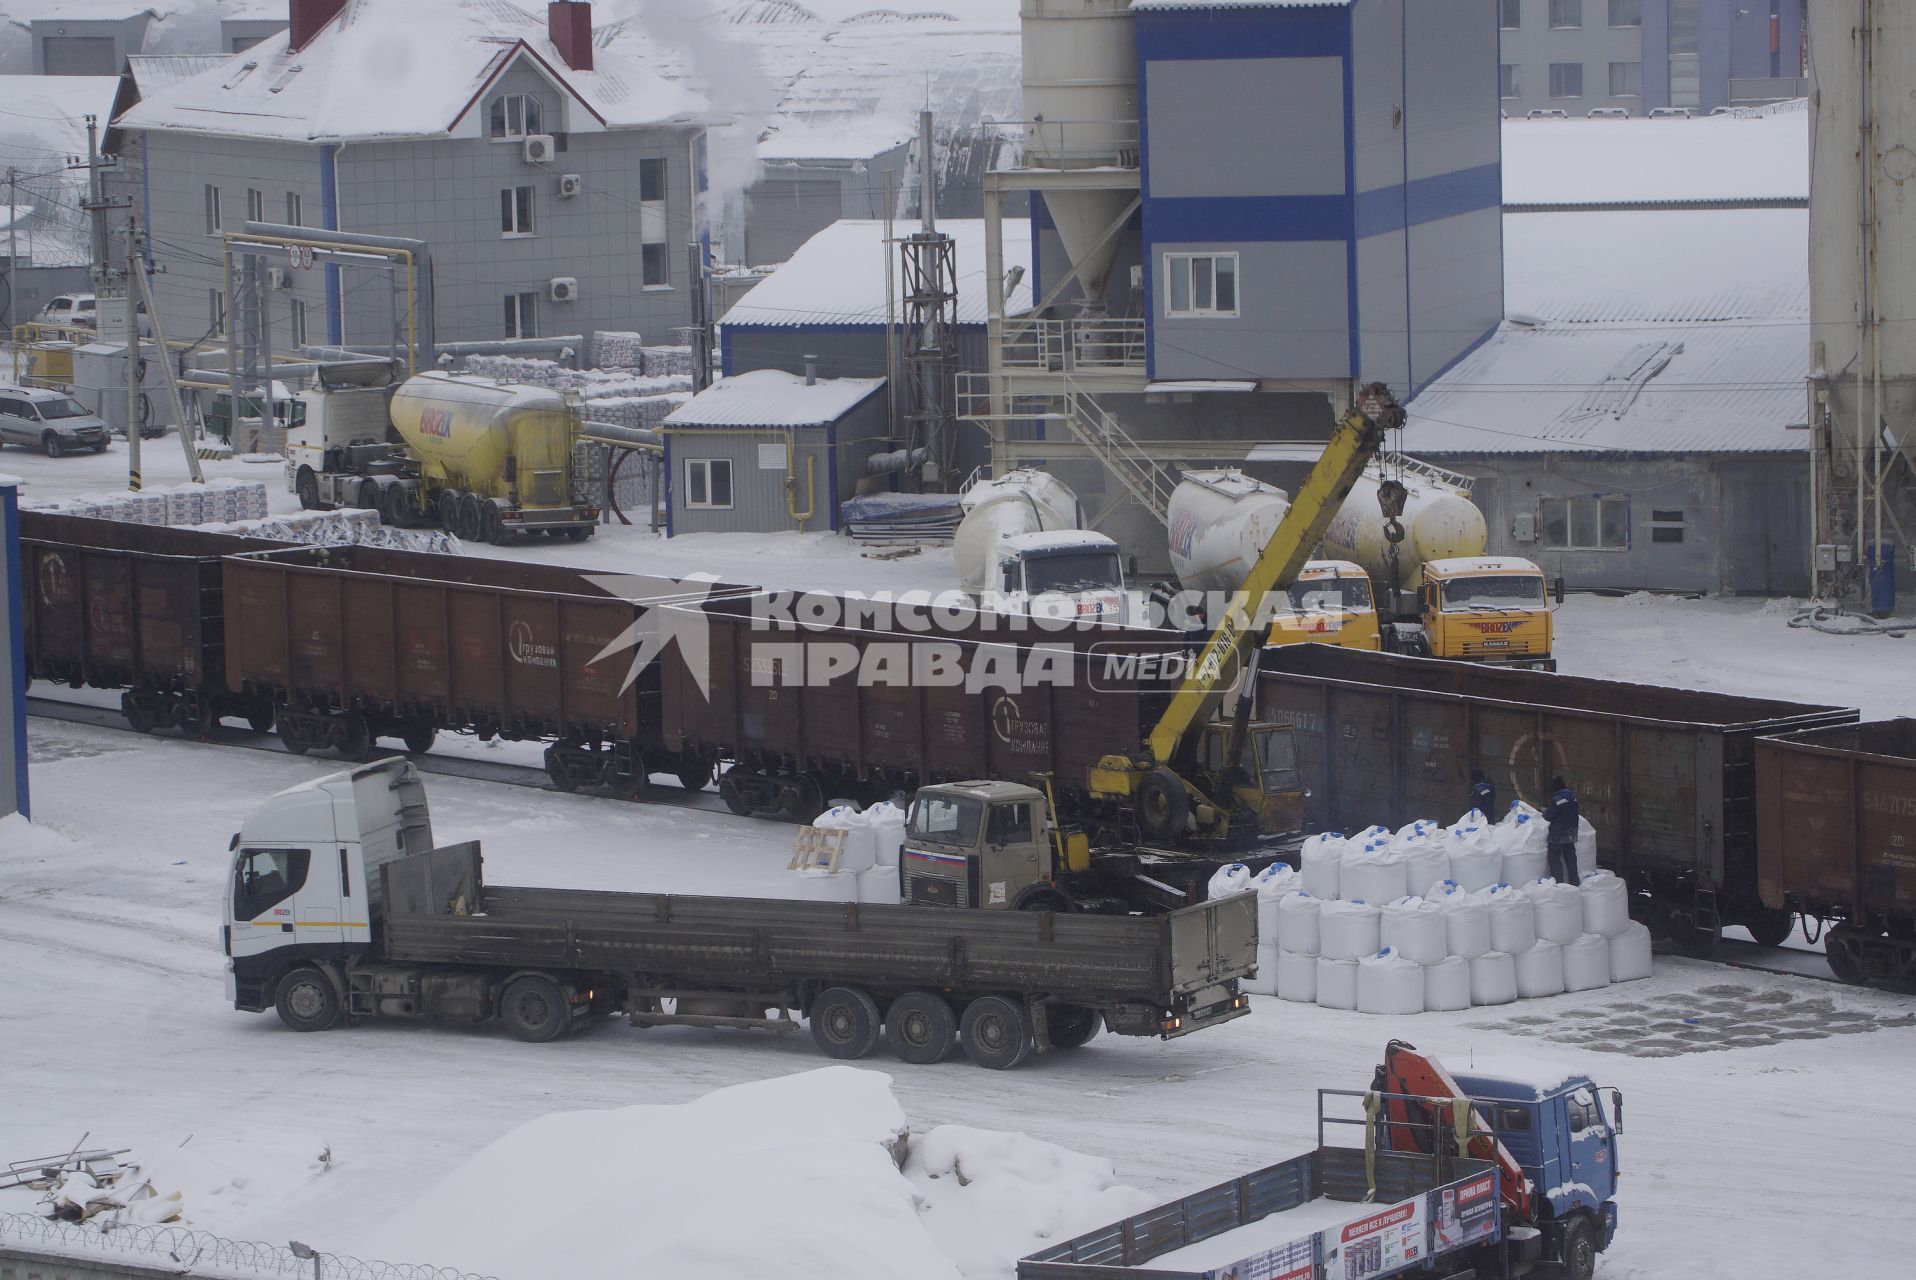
pixel 1836 840
pixel 114 605
pixel 1667 776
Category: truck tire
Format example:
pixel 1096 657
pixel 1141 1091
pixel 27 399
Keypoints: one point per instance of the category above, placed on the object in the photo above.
pixel 470 519
pixel 307 1001
pixel 395 505
pixel 1772 928
pixel 1072 1026
pixel 492 526
pixel 921 1028
pixel 1579 1251
pixel 995 1033
pixel 845 1023
pixel 369 496
pixel 1163 806
pixel 447 509
pixel 534 1009
pixel 306 485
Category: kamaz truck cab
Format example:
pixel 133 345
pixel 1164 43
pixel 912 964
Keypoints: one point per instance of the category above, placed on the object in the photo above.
pixel 1488 609
pixel 1330 603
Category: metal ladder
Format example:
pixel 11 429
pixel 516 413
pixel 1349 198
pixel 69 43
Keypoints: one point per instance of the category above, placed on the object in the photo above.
pixel 1097 430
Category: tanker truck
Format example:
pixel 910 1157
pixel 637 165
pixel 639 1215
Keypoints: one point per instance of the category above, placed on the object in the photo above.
pixel 1022 541
pixel 484 460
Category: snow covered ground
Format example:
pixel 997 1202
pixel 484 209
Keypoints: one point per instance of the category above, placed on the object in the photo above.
pixel 114 1023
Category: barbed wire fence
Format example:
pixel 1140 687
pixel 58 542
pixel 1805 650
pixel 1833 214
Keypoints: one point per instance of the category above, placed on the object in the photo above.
pixel 200 1253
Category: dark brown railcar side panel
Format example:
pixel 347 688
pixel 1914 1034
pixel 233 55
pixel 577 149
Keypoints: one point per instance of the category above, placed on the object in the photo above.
pixel 258 640
pixel 371 658
pixel 422 651
pixel 1837 820
pixel 597 692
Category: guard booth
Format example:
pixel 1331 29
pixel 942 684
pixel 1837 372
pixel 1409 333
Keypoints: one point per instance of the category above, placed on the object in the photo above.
pixel 13 659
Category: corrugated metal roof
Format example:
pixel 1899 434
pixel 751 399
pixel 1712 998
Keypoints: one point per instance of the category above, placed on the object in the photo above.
pixel 772 398
pixel 838 276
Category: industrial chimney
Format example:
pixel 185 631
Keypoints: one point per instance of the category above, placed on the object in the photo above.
pixel 569 23
pixel 307 17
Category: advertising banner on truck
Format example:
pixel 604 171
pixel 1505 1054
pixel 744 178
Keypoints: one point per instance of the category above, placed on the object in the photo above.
pixel 1463 1213
pixel 1294 1261
pixel 1386 1241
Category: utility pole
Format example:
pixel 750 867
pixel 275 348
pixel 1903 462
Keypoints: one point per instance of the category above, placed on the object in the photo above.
pixel 133 359
pixel 137 280
pixel 13 247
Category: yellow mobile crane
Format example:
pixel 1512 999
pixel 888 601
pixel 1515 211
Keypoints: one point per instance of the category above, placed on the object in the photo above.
pixel 1220 772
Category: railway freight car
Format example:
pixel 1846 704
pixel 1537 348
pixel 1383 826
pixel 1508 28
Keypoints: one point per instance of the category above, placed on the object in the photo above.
pixel 1836 840
pixel 1667 776
pixel 111 605
pixel 352 644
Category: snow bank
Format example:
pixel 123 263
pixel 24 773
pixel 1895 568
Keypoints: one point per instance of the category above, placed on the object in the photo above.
pixel 21 838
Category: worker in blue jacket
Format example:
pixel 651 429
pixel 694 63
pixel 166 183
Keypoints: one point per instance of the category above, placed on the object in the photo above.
pixel 1483 795
pixel 1560 811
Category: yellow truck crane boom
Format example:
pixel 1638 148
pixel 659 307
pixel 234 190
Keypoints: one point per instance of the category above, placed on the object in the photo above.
pixel 1196 767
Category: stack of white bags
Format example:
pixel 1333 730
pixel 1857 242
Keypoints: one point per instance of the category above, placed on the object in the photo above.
pixel 1438 918
pixel 867 865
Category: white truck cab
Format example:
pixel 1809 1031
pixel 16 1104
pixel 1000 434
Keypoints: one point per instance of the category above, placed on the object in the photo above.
pixel 1073 572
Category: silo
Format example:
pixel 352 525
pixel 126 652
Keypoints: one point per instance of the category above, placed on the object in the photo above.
pixel 1081 112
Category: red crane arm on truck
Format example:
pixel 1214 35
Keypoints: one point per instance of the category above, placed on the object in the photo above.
pixel 1406 1071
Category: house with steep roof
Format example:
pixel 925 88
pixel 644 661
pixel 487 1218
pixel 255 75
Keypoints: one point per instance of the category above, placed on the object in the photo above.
pixel 552 181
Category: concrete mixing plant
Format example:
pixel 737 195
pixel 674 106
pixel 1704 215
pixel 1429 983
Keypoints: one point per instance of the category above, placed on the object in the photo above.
pixel 1862 60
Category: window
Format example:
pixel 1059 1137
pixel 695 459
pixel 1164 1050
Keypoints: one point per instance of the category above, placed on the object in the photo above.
pixel 522 315
pixel 515 211
pixel 1493 591
pixel 516 115
pixel 1584 1111
pixel 1626 79
pixel 295 212
pixel 708 483
pixel 264 878
pixel 1626 13
pixel 655 270
pixel 255 205
pixel 1010 824
pixel 1666 526
pixel 299 323
pixel 1566 79
pixel 1200 284
pixel 1510 14
pixel 1585 524
pixel 216 309
pixel 1566 13
pixel 1509 83
pixel 947 819
pixel 212 210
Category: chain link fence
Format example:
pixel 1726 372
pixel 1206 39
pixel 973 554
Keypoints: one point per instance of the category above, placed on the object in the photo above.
pixel 201 1253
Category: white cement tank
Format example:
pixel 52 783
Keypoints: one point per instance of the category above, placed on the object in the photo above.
pixel 1220 522
pixel 1017 503
pixel 1081 102
pixel 1438 523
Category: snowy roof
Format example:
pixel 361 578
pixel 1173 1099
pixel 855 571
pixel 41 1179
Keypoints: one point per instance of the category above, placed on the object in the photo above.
pixel 84 11
pixel 1540 1079
pixel 1639 332
pixel 384 70
pixel 773 398
pixel 1759 154
pixel 1145 6
pixel 838 276
pixel 153 72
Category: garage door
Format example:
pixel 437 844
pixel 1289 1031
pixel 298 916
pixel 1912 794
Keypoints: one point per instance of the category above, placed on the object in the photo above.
pixel 80 56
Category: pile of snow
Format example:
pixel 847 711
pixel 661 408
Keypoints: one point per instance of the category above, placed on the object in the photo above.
pixel 808 1175
pixel 21 838
pixel 1465 910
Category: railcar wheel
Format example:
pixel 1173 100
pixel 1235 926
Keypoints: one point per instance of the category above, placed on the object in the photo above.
pixel 534 1009
pixel 260 718
pixel 136 714
pixel 556 770
pixel 921 1028
pixel 845 1023
pixel 352 738
pixel 306 1000
pixel 694 773
pixel 734 796
pixel 1843 949
pixel 1072 1026
pixel 995 1033
pixel 1772 928
pixel 290 738
pixel 419 738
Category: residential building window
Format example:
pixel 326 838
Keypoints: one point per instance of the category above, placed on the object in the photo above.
pixel 1200 284
pixel 216 310
pixel 655 270
pixel 1566 79
pixel 255 205
pixel 1510 14
pixel 1626 13
pixel 212 210
pixel 1509 84
pixel 299 323
pixel 515 211
pixel 708 483
pixel 1626 79
pixel 1566 13
pixel 522 315
pixel 516 115
pixel 1585 524
pixel 294 210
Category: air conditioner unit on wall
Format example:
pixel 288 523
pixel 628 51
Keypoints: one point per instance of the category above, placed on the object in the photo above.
pixel 570 184
pixel 278 278
pixel 540 148
pixel 564 288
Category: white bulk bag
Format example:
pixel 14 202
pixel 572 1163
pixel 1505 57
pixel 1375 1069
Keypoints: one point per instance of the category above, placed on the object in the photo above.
pixel 888 830
pixel 1513 920
pixel 1493 978
pixel 1336 983
pixel 1264 983
pixel 1526 847
pixel 1606 904
pixel 1476 819
pixel 1415 830
pixel 1586 847
pixel 1586 962
pixel 1630 954
pixel 1374 874
pixel 1271 885
pixel 1475 862
pixel 879 885
pixel 813 885
pixel 1426 862
pixel 1540 970
pixel 1447 985
pixel 1297 927
pixel 1320 860
pixel 1296 977
pixel 1413 929
pixel 1466 926
pixel 1348 930
pixel 1231 878
pixel 1559 910
pixel 1279 876
pixel 1444 891
pixel 1390 983
pixel 861 842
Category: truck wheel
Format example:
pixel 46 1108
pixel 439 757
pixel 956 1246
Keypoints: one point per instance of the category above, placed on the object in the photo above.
pixel 306 485
pixel 369 495
pixel 1163 806
pixel 470 519
pixel 492 527
pixel 395 505
pixel 534 1009
pixel 306 1000
pixel 995 1033
pixel 448 511
pixel 581 533
pixel 845 1023
pixel 920 1028
pixel 419 738
pixel 1072 1026
pixel 1579 1250
pixel 1772 928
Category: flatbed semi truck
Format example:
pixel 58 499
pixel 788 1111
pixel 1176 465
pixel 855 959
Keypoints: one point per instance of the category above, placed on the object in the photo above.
pixel 340 907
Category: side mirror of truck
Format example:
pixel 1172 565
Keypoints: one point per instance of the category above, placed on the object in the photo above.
pixel 1616 1110
pixel 1556 588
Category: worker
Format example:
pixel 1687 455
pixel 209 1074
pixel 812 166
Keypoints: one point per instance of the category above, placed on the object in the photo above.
pixel 1483 794
pixel 1560 811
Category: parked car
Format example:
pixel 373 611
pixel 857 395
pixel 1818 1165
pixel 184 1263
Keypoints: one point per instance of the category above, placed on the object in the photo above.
pixel 80 310
pixel 1547 113
pixel 48 420
pixel 1669 113
pixel 1609 113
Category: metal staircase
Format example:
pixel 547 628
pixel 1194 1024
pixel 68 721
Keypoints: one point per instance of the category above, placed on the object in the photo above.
pixel 1105 437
